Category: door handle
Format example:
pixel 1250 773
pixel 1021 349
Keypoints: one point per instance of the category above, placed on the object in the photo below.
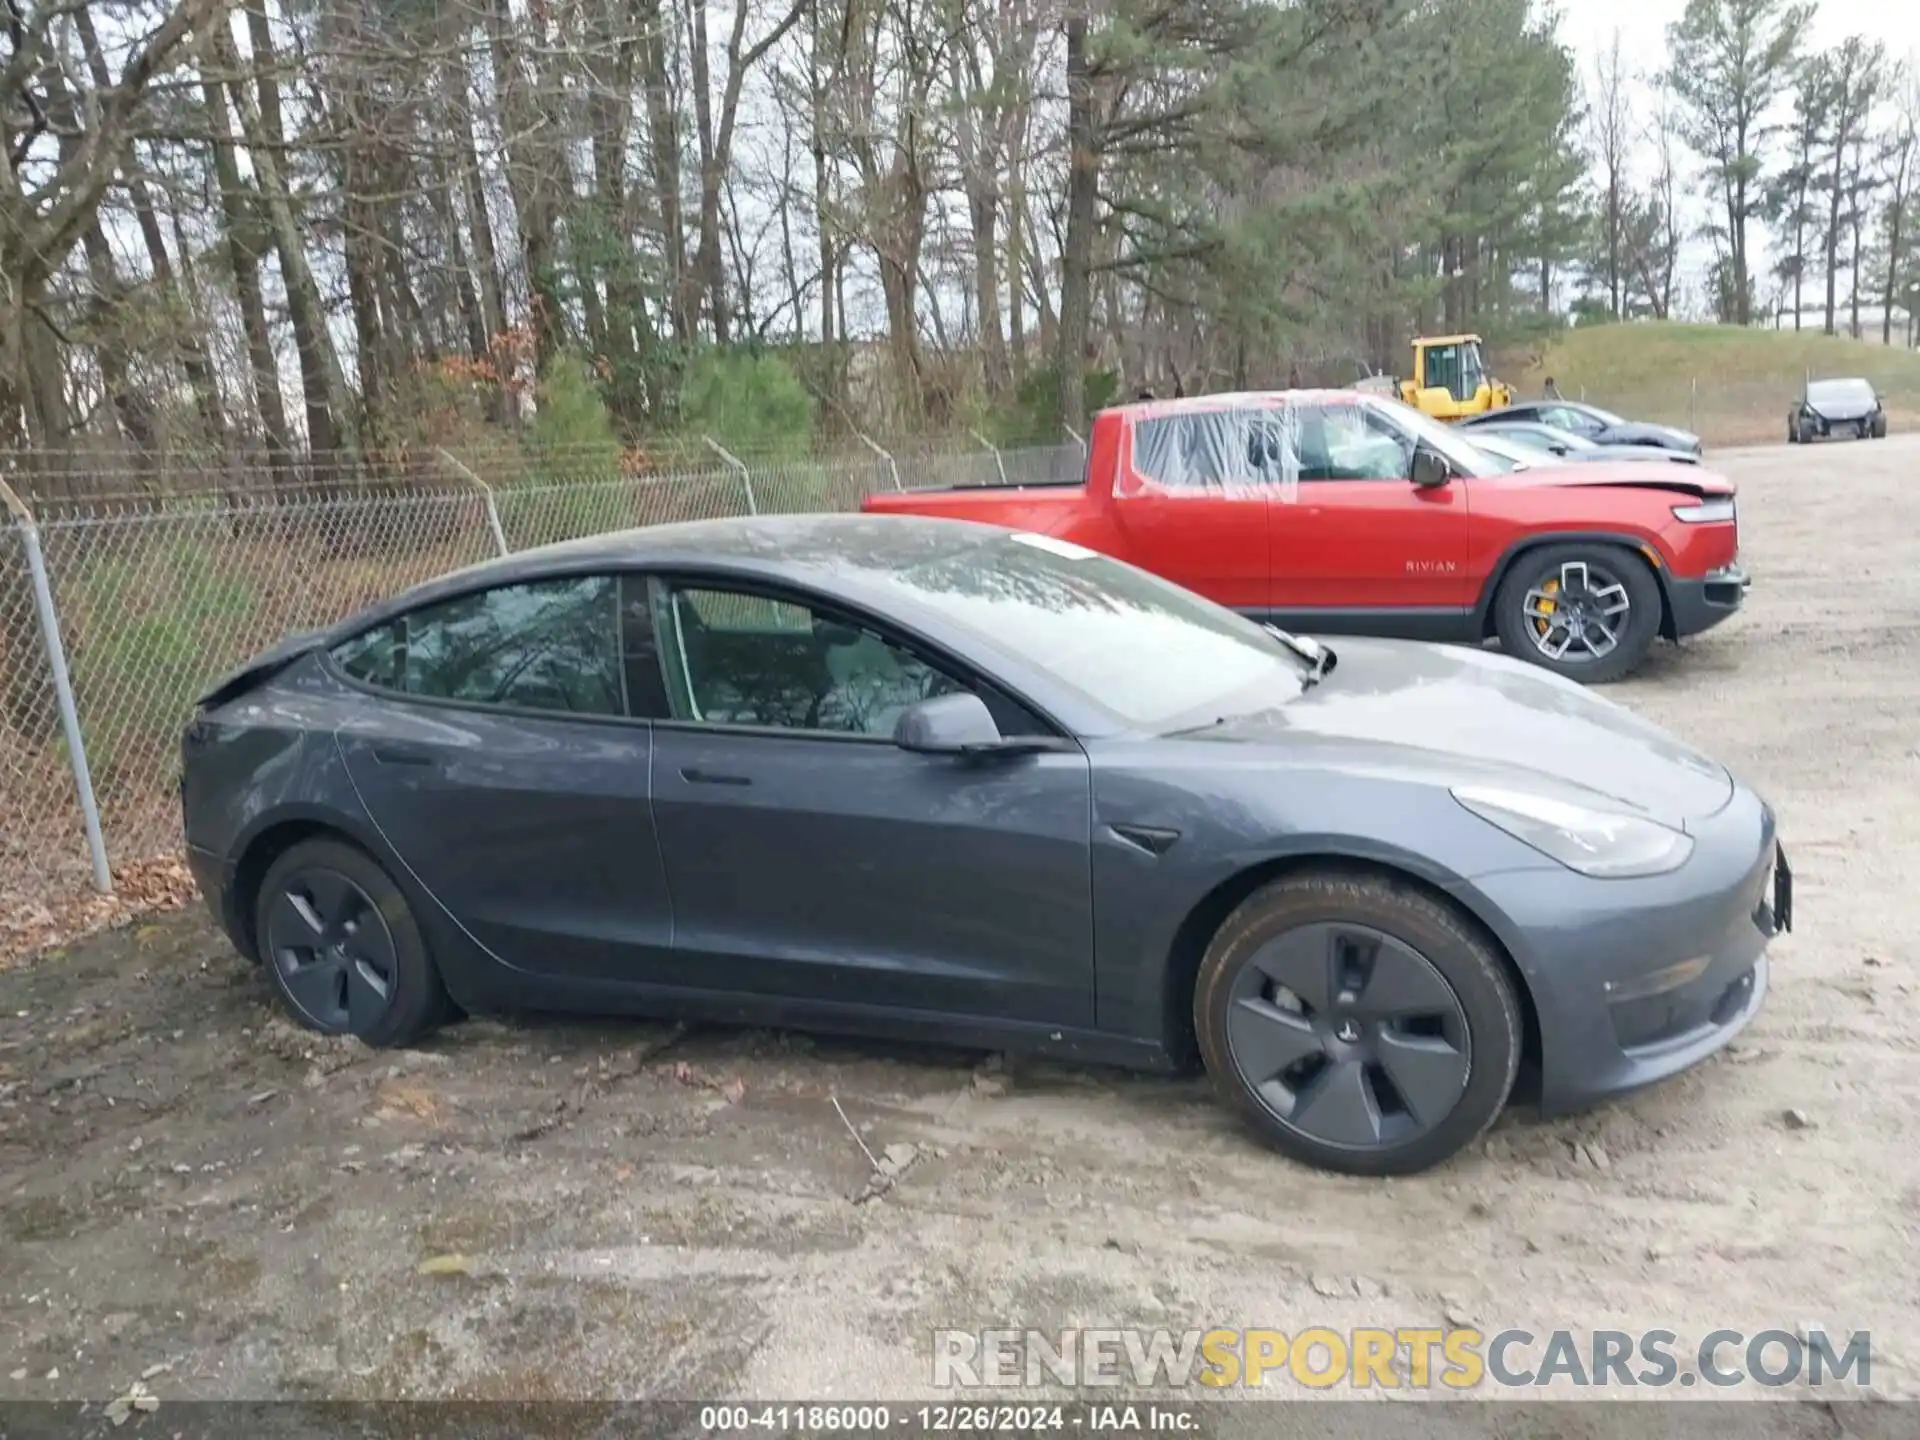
pixel 694 776
pixel 401 755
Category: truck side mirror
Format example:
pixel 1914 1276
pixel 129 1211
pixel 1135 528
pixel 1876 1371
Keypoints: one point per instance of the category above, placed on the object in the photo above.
pixel 1430 468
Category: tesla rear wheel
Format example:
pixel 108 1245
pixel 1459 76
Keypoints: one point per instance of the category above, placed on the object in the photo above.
pixel 1588 612
pixel 1358 1024
pixel 342 947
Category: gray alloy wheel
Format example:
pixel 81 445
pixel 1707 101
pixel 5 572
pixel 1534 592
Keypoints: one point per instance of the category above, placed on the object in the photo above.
pixel 1580 613
pixel 1348 1036
pixel 1589 612
pixel 341 946
pixel 1359 1023
pixel 332 950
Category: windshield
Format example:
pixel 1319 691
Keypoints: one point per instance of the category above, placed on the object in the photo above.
pixel 1150 654
pixel 1840 392
pixel 1605 417
pixel 1466 457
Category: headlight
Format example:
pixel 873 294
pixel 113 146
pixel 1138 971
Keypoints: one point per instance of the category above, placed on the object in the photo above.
pixel 1605 844
pixel 1705 511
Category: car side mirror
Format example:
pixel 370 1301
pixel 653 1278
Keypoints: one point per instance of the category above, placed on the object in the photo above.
pixel 956 724
pixel 1430 468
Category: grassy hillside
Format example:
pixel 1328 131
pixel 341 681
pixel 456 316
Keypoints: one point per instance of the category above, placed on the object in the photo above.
pixel 1733 386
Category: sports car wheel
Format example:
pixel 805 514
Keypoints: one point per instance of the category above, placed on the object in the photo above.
pixel 342 948
pixel 1359 1024
pixel 1589 612
pixel 1880 427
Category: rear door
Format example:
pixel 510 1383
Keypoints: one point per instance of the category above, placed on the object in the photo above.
pixel 500 762
pixel 1192 491
pixel 1360 542
pixel 808 856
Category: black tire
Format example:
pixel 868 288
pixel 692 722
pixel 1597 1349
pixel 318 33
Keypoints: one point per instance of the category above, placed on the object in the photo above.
pixel 375 936
pixel 1230 995
pixel 1793 432
pixel 1605 566
pixel 1880 427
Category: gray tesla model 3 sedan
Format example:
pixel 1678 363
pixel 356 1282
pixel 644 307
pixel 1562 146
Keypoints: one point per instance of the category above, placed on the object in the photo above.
pixel 923 778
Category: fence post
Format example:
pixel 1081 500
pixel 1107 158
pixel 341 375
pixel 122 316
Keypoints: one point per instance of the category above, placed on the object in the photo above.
pixel 998 463
pixel 746 480
pixel 486 494
pixel 1693 403
pixel 1074 435
pixel 892 468
pixel 62 688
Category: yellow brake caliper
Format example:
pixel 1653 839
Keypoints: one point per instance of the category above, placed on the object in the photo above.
pixel 1541 625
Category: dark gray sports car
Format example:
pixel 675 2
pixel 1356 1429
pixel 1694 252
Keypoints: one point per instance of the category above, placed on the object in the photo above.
pixel 932 779
pixel 1837 407
pixel 1590 422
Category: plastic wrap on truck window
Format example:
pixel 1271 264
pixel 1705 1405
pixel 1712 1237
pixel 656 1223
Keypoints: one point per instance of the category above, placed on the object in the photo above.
pixel 1207 454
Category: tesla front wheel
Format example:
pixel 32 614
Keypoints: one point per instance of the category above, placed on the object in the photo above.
pixel 1588 612
pixel 1358 1024
pixel 343 949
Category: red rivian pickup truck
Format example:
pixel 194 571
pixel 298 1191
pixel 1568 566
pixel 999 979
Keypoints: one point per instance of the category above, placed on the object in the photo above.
pixel 1340 512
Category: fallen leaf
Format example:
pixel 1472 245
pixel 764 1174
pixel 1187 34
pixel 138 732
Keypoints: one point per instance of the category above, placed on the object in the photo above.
pixel 625 1172
pixel 409 1097
pixel 447 1265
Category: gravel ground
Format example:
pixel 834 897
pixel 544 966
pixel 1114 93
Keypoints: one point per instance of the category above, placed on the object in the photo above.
pixel 187 1181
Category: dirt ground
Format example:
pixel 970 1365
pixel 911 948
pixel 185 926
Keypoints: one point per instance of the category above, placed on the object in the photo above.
pixel 186 1181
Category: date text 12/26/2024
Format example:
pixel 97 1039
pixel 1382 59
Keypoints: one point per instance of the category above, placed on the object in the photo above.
pixel 961 1419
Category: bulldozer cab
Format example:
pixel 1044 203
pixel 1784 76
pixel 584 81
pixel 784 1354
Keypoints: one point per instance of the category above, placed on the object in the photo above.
pixel 1450 378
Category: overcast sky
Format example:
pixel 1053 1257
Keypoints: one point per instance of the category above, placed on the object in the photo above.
pixel 1589 25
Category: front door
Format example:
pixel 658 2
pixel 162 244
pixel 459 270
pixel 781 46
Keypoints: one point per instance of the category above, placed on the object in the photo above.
pixel 1360 546
pixel 809 856
pixel 504 771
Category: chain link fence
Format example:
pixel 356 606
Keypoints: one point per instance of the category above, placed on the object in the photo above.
pixel 151 596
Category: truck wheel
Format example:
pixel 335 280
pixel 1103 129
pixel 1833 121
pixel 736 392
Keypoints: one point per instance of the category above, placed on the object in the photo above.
pixel 1358 1024
pixel 1588 612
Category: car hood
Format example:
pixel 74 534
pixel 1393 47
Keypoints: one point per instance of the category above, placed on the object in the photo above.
pixel 1696 481
pixel 1840 409
pixel 1643 453
pixel 1461 715
pixel 1636 432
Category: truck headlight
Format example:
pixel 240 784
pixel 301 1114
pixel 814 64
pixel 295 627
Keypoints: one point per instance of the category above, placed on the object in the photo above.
pixel 1606 844
pixel 1706 512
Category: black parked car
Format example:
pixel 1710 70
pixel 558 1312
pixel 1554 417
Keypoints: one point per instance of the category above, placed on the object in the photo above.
pixel 1837 407
pixel 1602 427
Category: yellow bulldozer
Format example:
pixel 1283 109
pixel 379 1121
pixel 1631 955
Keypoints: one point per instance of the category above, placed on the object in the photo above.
pixel 1449 379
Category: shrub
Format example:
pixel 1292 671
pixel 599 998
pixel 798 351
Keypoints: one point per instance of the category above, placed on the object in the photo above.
pixel 748 401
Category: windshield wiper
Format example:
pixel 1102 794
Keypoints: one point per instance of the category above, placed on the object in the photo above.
pixel 1320 658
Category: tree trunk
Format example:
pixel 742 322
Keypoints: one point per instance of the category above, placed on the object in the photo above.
pixel 325 387
pixel 1896 217
pixel 663 148
pixel 243 258
pixel 530 180
pixel 1076 258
